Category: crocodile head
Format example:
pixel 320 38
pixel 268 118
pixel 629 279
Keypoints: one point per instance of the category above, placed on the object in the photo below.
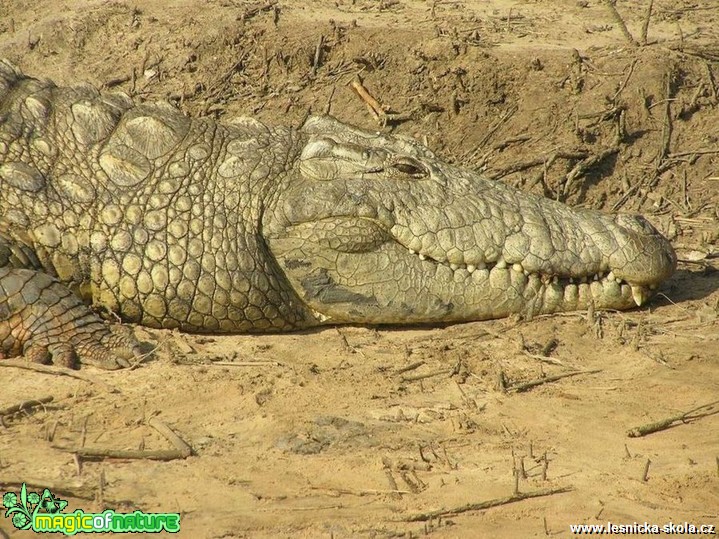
pixel 374 229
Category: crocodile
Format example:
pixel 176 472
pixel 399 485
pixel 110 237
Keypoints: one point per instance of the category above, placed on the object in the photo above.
pixel 167 221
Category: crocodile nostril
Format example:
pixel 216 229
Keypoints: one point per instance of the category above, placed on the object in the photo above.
pixel 636 223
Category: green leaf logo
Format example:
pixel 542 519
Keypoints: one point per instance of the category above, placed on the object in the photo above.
pixel 21 509
pixel 9 499
pixel 49 504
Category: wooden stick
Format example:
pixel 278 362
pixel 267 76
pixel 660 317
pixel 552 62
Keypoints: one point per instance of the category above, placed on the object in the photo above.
pixel 480 506
pixel 57 371
pixel 373 105
pixel 251 12
pixel 710 78
pixel 427 375
pixel 318 55
pixel 696 413
pixel 493 129
pixel 645 475
pixel 584 165
pixel 518 388
pixel 130 454
pixel 328 107
pixel 182 449
pixel 26 405
pixel 393 484
pixel 363 492
pixel 694 152
pixel 667 125
pixel 180 444
pixel 645 26
pixel 546 359
pixel 410 367
pixel 536 162
pixel 625 81
pixel 246 363
pixel 618 19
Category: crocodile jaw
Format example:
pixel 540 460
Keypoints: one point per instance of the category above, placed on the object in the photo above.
pixel 377 230
pixel 391 284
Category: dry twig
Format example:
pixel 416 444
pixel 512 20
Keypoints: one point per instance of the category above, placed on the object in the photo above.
pixel 26 405
pixel 695 413
pixel 584 165
pixel 625 81
pixel 545 359
pixel 427 375
pixel 246 363
pixel 618 19
pixel 645 26
pixel 363 492
pixel 379 112
pixel 170 435
pixel 667 125
pixel 480 506
pixel 518 388
pixel 409 367
pixel 251 12
pixel 57 371
pixel 518 167
pixel 645 475
pixel 375 109
pixel 692 153
pixel 182 449
pixel 130 454
pixel 318 55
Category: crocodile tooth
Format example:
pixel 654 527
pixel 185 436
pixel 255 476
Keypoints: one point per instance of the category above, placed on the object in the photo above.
pixel 481 266
pixel 471 268
pixel 412 252
pixel 454 267
pixel 610 276
pixel 518 268
pixel 639 294
pixel 596 277
pixel 319 316
pixel 501 264
pixel 555 279
pixel 422 257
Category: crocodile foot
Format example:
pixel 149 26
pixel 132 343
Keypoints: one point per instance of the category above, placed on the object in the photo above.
pixel 41 319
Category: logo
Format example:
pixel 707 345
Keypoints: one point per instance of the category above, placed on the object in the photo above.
pixel 44 513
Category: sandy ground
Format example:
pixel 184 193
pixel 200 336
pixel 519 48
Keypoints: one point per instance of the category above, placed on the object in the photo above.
pixel 352 432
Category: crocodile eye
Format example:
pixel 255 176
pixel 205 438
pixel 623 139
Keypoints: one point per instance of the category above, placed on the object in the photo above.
pixel 410 167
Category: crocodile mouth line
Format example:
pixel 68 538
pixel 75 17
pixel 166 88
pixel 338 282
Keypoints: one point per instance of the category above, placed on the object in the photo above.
pixel 479 272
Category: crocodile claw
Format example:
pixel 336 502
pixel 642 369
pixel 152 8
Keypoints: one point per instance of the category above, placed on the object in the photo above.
pixel 44 321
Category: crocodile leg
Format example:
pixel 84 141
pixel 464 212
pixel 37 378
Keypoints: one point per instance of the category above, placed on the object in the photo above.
pixel 43 320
